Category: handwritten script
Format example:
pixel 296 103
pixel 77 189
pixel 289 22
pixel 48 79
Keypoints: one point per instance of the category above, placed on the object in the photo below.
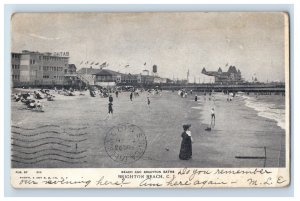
pixel 172 178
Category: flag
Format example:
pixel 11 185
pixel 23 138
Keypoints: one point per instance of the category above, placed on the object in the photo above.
pixel 127 66
pixel 188 72
pixel 145 64
pixel 92 63
pixel 97 63
pixel 87 62
pixel 103 65
pixel 226 64
pixel 81 62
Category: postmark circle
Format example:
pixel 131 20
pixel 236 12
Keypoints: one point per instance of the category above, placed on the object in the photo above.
pixel 125 143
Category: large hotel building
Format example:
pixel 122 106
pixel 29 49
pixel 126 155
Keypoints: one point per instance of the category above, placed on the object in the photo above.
pixel 38 69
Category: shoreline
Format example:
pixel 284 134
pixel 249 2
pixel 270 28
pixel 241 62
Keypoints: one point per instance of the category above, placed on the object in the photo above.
pixel 235 120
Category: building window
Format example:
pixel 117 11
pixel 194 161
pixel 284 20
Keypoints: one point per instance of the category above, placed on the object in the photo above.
pixel 32 61
pixel 15 77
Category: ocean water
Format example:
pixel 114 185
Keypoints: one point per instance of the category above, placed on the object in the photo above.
pixel 268 106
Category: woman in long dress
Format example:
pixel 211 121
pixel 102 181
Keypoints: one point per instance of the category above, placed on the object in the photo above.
pixel 186 144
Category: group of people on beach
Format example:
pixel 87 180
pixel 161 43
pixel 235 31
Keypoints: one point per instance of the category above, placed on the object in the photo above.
pixel 133 93
pixel 33 98
pixel 29 100
pixel 187 140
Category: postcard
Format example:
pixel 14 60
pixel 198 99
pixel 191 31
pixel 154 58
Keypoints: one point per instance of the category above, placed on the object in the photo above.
pixel 150 100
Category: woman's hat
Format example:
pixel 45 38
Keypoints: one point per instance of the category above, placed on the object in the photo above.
pixel 186 126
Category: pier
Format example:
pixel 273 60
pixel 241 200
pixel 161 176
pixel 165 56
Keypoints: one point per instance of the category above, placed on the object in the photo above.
pixel 248 87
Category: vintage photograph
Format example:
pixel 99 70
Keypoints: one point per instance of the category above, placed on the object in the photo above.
pixel 150 90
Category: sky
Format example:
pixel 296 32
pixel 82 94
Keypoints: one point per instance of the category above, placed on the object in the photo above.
pixel 175 42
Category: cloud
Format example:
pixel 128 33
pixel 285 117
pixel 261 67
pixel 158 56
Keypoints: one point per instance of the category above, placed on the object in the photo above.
pixel 43 37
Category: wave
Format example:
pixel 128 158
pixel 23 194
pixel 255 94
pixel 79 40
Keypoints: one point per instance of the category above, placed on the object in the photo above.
pixel 78 128
pixel 17 145
pixel 47 159
pixel 47 132
pixel 35 134
pixel 53 149
pixel 50 154
pixel 267 110
pixel 19 127
pixel 29 141
pixel 80 134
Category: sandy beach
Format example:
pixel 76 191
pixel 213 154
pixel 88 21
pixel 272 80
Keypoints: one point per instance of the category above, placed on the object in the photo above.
pixel 79 123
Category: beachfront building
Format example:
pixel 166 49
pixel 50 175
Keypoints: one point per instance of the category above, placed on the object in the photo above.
pixel 159 80
pixel 232 76
pixel 131 78
pixel 38 69
pixel 88 74
pixel 106 78
pixel 72 69
pixel 15 68
pixel 71 78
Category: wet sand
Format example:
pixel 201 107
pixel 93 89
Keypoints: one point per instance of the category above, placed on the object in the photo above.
pixel 79 123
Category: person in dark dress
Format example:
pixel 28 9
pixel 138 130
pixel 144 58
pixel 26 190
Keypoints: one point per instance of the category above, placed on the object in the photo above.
pixel 186 143
pixel 131 96
pixel 110 99
pixel 110 109
pixel 148 100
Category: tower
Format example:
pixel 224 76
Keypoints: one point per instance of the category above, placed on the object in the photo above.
pixel 154 70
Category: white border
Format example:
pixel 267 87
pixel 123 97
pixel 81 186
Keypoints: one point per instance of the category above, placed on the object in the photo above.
pixel 293 76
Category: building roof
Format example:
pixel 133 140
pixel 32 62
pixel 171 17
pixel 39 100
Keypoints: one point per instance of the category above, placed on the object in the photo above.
pixel 232 69
pixel 72 66
pixel 49 54
pixel 219 73
pixel 90 71
pixel 106 72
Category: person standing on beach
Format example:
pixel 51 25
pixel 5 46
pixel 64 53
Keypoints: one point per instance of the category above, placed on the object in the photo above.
pixel 110 99
pixel 186 143
pixel 196 98
pixel 110 109
pixel 131 96
pixel 181 94
pixel 148 101
pixel 213 117
pixel 117 94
